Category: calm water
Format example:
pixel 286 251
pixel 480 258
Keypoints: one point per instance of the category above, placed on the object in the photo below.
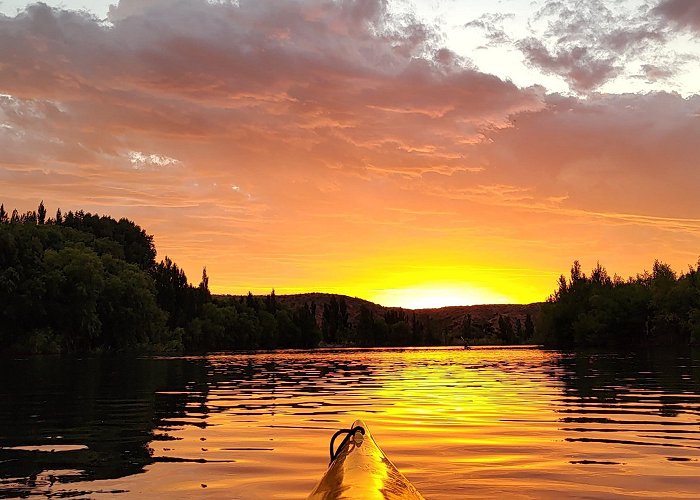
pixel 479 423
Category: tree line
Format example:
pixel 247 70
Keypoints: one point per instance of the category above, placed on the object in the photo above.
pixel 80 282
pixel 659 307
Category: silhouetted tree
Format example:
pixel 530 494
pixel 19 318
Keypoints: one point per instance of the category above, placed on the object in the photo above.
pixel 41 213
pixel 335 322
pixel 505 328
pixel 365 327
pixel 305 318
pixel 75 281
pixel 203 288
pixel 252 302
pixel 137 246
pixel 417 331
pixel 529 328
pixel 204 284
pixel 467 327
pixel 271 302
pixel 289 330
pixel 399 333
pixel 127 307
pixel 28 217
pixel 173 293
pixel 432 335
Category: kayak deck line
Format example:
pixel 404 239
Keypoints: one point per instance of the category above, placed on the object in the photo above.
pixel 360 470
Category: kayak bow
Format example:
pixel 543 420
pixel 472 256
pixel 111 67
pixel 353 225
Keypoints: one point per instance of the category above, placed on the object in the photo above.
pixel 360 470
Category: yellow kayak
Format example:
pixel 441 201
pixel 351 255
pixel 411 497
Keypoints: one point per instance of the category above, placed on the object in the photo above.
pixel 359 470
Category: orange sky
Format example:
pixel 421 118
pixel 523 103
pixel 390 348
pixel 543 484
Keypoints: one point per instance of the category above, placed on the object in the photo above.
pixel 353 147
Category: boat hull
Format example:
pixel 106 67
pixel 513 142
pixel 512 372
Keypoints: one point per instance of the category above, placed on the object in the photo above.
pixel 362 471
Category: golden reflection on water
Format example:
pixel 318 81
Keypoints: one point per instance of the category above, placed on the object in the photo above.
pixel 478 423
pixel 475 423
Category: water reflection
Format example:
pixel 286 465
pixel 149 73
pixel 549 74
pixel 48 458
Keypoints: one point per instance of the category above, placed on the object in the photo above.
pixel 648 400
pixel 76 420
pixel 470 424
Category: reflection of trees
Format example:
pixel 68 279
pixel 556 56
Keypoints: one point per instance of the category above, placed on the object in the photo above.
pixel 104 410
pixel 642 406
pixel 614 378
pixel 102 413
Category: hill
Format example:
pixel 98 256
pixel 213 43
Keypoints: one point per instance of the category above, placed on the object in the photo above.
pixel 449 322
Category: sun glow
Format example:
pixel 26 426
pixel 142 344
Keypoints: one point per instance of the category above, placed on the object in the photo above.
pixel 406 280
pixel 433 296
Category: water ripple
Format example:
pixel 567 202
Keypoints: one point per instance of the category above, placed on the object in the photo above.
pixel 472 423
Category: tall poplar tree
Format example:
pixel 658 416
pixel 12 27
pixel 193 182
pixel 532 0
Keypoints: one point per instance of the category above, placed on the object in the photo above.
pixel 41 213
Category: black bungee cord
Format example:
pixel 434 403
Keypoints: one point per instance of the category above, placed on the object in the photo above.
pixel 348 433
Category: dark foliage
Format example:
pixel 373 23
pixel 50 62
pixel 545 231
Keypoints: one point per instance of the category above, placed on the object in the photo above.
pixel 83 282
pixel 657 308
pixel 76 284
pixel 133 244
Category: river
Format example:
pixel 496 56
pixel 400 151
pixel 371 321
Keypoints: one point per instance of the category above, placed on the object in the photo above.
pixel 478 423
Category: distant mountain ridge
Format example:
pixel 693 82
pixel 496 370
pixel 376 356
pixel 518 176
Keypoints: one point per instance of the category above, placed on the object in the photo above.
pixel 449 319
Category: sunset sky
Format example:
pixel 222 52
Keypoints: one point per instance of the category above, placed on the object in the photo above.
pixel 410 153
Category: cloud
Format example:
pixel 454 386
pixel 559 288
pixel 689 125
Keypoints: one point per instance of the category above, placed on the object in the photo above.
pixel 598 45
pixel 628 153
pixel 127 8
pixel 591 43
pixel 288 133
pixel 493 27
pixel 299 104
pixel 581 67
pixel 683 13
pixel 140 161
pixel 652 72
pixel 309 76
